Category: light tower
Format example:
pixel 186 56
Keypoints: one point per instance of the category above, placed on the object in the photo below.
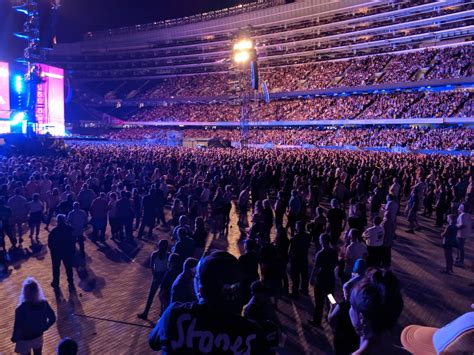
pixel 244 56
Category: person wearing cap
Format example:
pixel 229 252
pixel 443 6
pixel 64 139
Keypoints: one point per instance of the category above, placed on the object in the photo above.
pixel 77 219
pixel 62 246
pixel 457 337
pixel 213 324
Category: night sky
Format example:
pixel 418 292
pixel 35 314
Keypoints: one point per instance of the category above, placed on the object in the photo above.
pixel 80 16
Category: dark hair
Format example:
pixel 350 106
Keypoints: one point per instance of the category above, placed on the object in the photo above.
pixel 377 220
pixel 67 346
pixel 190 263
pixel 377 297
pixel 355 233
pixel 325 238
pixel 163 245
pixel 250 244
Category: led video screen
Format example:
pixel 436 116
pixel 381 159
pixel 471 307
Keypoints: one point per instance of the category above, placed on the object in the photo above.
pixel 50 101
pixel 4 91
pixel 4 97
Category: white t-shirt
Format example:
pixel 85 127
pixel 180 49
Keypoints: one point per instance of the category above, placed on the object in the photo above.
pixel 374 236
pixel 464 219
pixel 354 251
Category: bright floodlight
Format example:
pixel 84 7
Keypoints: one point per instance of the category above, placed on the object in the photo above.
pixel 243 45
pixel 242 57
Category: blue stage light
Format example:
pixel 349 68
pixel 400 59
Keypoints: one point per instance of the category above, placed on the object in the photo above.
pixel 18 117
pixel 19 84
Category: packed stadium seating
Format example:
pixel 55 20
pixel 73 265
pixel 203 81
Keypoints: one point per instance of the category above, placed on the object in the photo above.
pixel 413 138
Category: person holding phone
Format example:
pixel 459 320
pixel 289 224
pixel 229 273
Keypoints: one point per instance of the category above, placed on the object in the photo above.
pixel 322 277
pixel 345 339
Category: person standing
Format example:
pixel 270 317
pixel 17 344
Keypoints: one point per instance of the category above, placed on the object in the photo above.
pixel 280 209
pixel 85 197
pixel 200 237
pixel 337 221
pixel 294 210
pixel 99 217
pixel 388 239
pixel 35 207
pixel 19 207
pixel 158 266
pixel 374 238
pixel 113 220
pixel 322 277
pixel 243 203
pixel 183 287
pixel 149 205
pixel 185 245
pixel 33 317
pixel 354 251
pixel 160 201
pixel 137 207
pixel 52 202
pixel 125 216
pixel 77 219
pixel 411 211
pixel 62 246
pixel 345 339
pixel 5 228
pixel 174 269
pixel 298 255
pixel 449 242
pixel 464 224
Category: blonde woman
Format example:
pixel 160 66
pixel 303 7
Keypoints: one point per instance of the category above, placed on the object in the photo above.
pixel 33 317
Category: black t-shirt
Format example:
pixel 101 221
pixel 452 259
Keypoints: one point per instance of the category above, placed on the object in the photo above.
pixel 335 217
pixel 192 328
pixel 326 261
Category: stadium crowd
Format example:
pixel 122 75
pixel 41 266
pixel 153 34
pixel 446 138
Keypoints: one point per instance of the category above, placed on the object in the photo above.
pixel 412 138
pixel 123 186
pixel 376 106
pixel 426 64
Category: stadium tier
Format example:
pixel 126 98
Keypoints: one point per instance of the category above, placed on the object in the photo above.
pixel 318 61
